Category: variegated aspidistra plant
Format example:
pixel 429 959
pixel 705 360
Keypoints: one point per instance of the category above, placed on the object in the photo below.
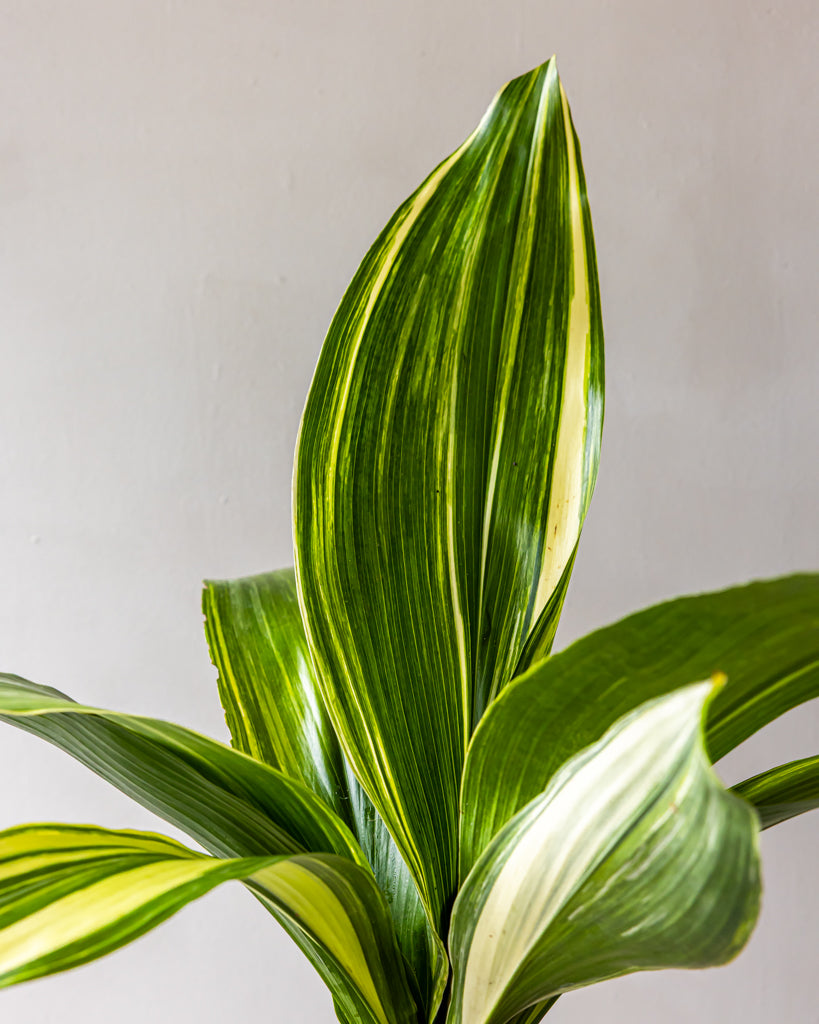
pixel 453 823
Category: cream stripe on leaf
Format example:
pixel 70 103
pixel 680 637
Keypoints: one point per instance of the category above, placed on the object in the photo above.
pixel 276 713
pixel 425 472
pixel 70 894
pixel 784 792
pixel 764 637
pixel 232 805
pixel 267 685
pixel 634 857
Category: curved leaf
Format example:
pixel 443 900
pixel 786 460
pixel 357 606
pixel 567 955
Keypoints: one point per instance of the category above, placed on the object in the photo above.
pixel 70 894
pixel 267 685
pixel 276 713
pixel 446 458
pixel 764 637
pixel 633 858
pixel 232 805
pixel 783 792
pixel 338 916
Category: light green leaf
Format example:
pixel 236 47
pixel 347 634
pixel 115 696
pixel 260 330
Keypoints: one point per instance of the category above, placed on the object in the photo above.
pixel 764 637
pixel 634 857
pixel 276 713
pixel 446 459
pixel 338 916
pixel 783 792
pixel 70 894
pixel 232 805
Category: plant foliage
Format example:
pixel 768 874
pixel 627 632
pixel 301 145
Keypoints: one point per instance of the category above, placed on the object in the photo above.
pixel 452 822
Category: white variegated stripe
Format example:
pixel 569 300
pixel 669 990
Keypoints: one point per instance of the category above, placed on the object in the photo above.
pixel 551 846
pixel 566 498
pixel 452 567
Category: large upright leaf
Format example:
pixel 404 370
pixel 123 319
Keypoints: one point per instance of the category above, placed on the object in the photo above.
pixel 783 792
pixel 634 857
pixel 276 713
pixel 764 637
pixel 70 894
pixel 446 458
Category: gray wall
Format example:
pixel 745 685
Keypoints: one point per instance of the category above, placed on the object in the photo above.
pixel 185 190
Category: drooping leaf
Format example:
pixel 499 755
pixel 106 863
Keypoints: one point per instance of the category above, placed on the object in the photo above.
pixel 783 792
pixel 533 1014
pixel 232 805
pixel 70 894
pixel 446 459
pixel 276 713
pixel 764 637
pixel 338 916
pixel 634 857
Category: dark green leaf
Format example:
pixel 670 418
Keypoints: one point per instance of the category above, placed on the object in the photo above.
pixel 276 713
pixel 267 685
pixel 232 805
pixel 764 637
pixel 783 792
pixel 446 459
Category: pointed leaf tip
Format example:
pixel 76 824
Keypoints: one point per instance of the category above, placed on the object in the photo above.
pixel 446 460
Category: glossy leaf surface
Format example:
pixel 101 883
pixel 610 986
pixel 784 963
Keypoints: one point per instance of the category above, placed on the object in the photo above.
pixel 764 637
pixel 634 857
pixel 267 685
pixel 446 459
pixel 69 894
pixel 275 713
pixel 232 805
pixel 783 792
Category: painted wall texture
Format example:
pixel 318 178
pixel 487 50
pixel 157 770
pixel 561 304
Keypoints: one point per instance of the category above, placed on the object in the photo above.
pixel 185 191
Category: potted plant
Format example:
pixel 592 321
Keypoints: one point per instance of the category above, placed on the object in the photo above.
pixel 452 822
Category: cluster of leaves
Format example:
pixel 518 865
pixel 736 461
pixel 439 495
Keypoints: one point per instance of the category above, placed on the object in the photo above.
pixel 450 821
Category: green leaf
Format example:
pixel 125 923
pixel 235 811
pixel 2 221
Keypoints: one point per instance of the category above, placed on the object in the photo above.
pixel 533 1014
pixel 70 894
pixel 764 637
pixel 446 459
pixel 634 857
pixel 338 916
pixel 783 792
pixel 267 684
pixel 275 713
pixel 232 805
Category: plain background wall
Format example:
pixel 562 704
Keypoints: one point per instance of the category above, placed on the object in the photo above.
pixel 185 191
